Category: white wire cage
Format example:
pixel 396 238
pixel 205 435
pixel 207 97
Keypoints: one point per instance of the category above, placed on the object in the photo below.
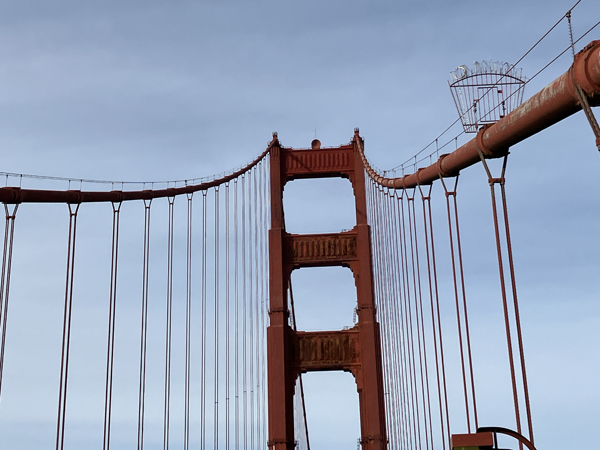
pixel 486 92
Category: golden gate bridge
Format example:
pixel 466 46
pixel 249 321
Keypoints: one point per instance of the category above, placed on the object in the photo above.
pixel 227 371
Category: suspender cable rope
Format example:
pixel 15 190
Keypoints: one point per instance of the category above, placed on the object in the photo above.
pixel 401 314
pixel 420 325
pixel 436 323
pixel 66 335
pixel 244 316
pixel 236 312
pixel 399 395
pixel 144 326
pixel 257 258
pixel 492 182
pixel 398 320
pixel 168 333
pixel 227 320
pixel 261 300
pixel 410 334
pixel 267 221
pixel 9 232
pixel 416 279
pixel 203 379
pixel 454 256
pixel 216 314
pixel 251 283
pixel 112 314
pixel 381 305
pixel 394 346
pixel 188 323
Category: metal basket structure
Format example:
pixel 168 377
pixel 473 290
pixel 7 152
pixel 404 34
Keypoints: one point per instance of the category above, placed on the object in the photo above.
pixel 486 93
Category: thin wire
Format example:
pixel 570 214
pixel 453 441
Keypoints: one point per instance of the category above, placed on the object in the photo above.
pixel 66 336
pixel 9 232
pixel 112 314
pixel 244 317
pixel 168 326
pixel 188 323
pixel 236 311
pixel 216 313
pixel 144 326
pixel 203 380
pixel 227 317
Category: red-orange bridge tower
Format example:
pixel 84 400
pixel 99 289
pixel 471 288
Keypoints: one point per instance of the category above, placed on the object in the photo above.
pixel 356 350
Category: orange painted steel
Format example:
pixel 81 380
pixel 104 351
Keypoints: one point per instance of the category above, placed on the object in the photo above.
pixel 552 104
pixel 290 352
pixel 13 195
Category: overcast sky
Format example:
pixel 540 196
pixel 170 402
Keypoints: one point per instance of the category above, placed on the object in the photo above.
pixel 148 90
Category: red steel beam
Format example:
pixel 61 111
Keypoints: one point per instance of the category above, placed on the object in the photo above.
pixel 552 104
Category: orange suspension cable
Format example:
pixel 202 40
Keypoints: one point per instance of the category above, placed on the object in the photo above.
pixel 203 379
pixel 216 325
pixel 188 324
pixel 467 342
pixel 492 182
pixel 112 314
pixel 66 335
pixel 144 326
pixel 168 326
pixel 410 348
pixel 435 318
pixel 9 232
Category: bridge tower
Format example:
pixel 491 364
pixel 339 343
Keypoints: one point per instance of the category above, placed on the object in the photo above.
pixel 356 350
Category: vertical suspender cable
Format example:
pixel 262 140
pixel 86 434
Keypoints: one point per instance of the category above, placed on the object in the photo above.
pixel 167 401
pixel 265 281
pixel 244 316
pixel 227 325
pixel 401 321
pixel 216 306
pixel 410 334
pixel 144 326
pixel 188 324
pixel 387 278
pixel 416 279
pixel 464 298
pixel 251 247
pixel 203 379
pixel 492 182
pixel 9 232
pixel 424 370
pixel 385 292
pixel 435 320
pixel 236 310
pixel 467 343
pixel 404 317
pixel 257 304
pixel 66 336
pixel 395 312
pixel 112 314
